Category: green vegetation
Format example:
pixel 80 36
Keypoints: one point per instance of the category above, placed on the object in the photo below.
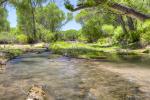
pixel 111 24
pixel 111 31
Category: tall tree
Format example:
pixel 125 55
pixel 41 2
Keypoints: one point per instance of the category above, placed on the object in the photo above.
pixel 53 18
pixel 26 17
pixel 4 24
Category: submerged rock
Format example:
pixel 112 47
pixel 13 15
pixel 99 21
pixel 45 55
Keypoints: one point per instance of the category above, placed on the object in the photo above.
pixel 36 93
pixel 3 61
pixel 2 68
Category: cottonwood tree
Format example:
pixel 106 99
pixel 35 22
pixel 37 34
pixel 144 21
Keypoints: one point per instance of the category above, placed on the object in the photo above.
pixel 54 18
pixel 111 5
pixel 4 24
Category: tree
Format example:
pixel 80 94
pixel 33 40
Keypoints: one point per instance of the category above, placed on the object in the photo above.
pixel 53 18
pixel 4 24
pixel 111 5
pixel 26 17
pixel 92 29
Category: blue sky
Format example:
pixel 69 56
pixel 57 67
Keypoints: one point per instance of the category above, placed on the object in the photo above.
pixel 70 25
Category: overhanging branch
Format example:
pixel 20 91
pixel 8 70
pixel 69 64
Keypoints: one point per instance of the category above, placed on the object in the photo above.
pixel 120 8
pixel 129 11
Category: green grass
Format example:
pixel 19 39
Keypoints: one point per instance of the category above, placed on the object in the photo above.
pixel 11 53
pixel 93 51
pixel 80 50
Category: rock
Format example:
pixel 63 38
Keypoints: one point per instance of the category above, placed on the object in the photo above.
pixel 3 61
pixel 2 68
pixel 36 93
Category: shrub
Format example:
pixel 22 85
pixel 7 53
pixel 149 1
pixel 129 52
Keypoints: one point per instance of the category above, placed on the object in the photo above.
pixel 143 28
pixel 145 38
pixel 118 34
pixel 44 34
pixel 48 37
pixel 22 38
pixel 91 33
pixel 70 35
pixel 109 29
pixel 6 37
pixel 133 37
pixel 105 41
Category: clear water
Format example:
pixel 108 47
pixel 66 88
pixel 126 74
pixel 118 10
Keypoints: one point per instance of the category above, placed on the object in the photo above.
pixel 63 78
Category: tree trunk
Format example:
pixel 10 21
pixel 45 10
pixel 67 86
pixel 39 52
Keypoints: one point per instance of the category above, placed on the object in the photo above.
pixel 33 21
pixel 130 23
pixel 122 23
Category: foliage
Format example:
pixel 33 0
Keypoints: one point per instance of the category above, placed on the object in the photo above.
pixel 43 34
pixel 118 34
pixel 143 28
pixel 75 49
pixel 6 37
pixel 108 29
pixel 22 38
pixel 54 17
pixel 92 30
pixel 70 35
pixel 4 24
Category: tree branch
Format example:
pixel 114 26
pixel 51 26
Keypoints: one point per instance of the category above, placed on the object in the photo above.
pixel 129 11
pixel 120 8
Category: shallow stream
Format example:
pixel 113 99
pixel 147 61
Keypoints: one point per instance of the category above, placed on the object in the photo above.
pixel 65 78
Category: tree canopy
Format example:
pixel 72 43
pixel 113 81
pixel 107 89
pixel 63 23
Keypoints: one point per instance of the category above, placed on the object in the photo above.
pixel 112 5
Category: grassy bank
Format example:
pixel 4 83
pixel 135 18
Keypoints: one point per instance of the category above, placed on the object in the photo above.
pixel 10 51
pixel 93 51
pixel 79 50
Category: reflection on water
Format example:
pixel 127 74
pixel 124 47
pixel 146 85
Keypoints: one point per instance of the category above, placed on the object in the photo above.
pixel 63 78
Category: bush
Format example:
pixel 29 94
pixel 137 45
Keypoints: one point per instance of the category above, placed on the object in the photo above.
pixel 70 35
pixel 22 38
pixel 109 29
pixel 44 34
pixel 48 37
pixel 133 37
pixel 91 32
pixel 6 37
pixel 145 38
pixel 118 34
pixel 105 41
pixel 145 33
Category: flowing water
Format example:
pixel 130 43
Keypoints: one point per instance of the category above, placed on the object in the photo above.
pixel 66 78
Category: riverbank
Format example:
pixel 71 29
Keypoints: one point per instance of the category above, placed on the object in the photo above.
pixel 10 51
pixel 93 51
